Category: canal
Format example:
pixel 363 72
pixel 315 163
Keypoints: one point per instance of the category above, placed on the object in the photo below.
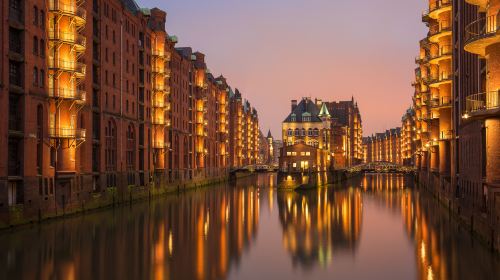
pixel 373 227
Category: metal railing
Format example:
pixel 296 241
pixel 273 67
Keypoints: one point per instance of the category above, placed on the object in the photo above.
pixel 443 51
pixel 445 134
pixel 158 103
pixel 67 65
pixel 483 101
pixel 67 7
pixel 442 26
pixel 67 93
pixel 71 37
pixel 159 121
pixel 481 28
pixel 67 132
pixel 441 101
pixel 434 6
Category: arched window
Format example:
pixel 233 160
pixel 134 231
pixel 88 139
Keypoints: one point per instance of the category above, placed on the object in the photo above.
pixel 290 132
pixel 297 132
pixel 42 78
pixel 130 134
pixel 310 132
pixel 39 138
pixel 42 47
pixel 42 18
pixel 35 45
pixel 35 15
pixel 303 132
pixel 316 132
pixel 110 146
pixel 130 146
pixel 35 76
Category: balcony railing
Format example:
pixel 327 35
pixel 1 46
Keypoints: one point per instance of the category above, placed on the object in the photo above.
pixel 158 53
pixel 159 145
pixel 66 93
pixel 445 134
pixel 481 28
pixel 69 37
pixel 441 102
pixel 442 26
pixel 68 7
pixel 67 65
pixel 482 102
pixel 67 132
pixel 158 103
pixel 159 121
pixel 443 51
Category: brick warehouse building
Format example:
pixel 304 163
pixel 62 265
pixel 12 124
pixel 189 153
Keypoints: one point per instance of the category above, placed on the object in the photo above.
pixel 101 106
pixel 456 111
pixel 329 133
pixel 384 147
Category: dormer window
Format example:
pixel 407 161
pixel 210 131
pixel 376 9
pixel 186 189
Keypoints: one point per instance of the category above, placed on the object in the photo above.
pixel 293 118
pixel 306 117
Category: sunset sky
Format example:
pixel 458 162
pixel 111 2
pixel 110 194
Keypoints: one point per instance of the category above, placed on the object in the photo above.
pixel 278 50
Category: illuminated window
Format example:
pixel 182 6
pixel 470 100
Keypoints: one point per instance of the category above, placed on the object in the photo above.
pixel 294 164
pixel 288 153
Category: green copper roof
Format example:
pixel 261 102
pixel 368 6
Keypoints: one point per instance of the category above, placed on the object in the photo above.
pixel 324 111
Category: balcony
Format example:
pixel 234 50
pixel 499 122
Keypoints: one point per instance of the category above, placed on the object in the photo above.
pixel 159 103
pixel 436 8
pixel 69 8
pixel 67 133
pixel 480 34
pixel 430 117
pixel 421 60
pixel 159 121
pixel 158 53
pixel 444 53
pixel 70 94
pixel 445 135
pixel 437 31
pixel 481 3
pixel 440 102
pixel 483 104
pixel 162 89
pixel 78 40
pixel 67 66
pixel 159 145
pixel 442 78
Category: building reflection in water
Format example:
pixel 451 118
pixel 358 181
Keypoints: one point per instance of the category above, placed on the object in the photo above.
pixel 203 235
pixel 443 248
pixel 319 223
pixel 198 235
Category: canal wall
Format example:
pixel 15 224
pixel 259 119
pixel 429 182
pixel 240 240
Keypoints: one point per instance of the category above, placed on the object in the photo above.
pixel 481 225
pixel 109 197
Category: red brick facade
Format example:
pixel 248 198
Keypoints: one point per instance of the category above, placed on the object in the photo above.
pixel 100 106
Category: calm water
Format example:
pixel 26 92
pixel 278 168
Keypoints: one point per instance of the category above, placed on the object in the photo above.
pixel 376 227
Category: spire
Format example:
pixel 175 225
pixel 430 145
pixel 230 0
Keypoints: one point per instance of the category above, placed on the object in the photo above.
pixel 324 111
pixel 269 134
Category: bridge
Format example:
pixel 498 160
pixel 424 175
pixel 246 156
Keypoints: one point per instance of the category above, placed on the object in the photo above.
pixel 255 168
pixel 381 167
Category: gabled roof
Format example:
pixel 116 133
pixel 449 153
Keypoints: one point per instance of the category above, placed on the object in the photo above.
pixel 305 106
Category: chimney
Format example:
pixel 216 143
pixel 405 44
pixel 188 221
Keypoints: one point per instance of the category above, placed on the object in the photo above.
pixel 294 104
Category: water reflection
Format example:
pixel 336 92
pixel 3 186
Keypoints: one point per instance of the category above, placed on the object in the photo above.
pixel 318 223
pixel 223 232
